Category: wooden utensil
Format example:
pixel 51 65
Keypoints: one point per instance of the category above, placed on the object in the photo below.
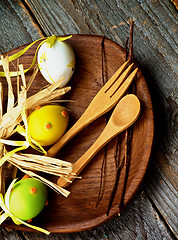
pixel 123 116
pixel 104 100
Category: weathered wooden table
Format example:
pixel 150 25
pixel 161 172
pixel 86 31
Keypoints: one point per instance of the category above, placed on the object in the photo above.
pixel 153 213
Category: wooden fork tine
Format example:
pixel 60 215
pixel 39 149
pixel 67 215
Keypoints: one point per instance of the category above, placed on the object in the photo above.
pixel 124 87
pixel 109 83
pixel 119 81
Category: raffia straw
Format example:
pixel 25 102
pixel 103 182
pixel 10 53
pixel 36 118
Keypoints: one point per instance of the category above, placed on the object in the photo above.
pixel 45 94
pixel 42 163
pixel 9 119
pixel 1 102
pixel 18 80
pixel 51 97
pixel 49 160
pixel 35 71
pixel 50 184
pixel 13 116
pixel 2 182
pixel 2 178
pixel 22 75
pixel 10 106
pixel 10 102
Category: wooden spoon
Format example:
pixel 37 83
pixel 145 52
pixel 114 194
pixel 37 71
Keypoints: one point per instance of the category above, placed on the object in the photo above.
pixel 124 115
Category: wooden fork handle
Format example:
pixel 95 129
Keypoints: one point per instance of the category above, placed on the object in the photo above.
pixel 82 122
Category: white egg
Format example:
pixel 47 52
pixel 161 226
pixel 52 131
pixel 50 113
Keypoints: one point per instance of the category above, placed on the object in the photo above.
pixel 56 62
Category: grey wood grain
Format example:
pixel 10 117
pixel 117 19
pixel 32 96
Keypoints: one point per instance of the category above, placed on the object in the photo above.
pixel 155 37
pixel 155 49
pixel 16 27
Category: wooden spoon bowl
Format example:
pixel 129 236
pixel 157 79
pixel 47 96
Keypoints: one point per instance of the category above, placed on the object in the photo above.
pixel 126 112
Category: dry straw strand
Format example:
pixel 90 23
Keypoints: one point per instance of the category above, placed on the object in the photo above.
pixel 28 163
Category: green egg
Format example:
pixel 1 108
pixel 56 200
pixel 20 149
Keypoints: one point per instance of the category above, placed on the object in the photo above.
pixel 27 198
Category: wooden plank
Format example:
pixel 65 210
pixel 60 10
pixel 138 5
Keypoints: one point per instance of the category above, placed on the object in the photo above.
pixel 16 26
pixel 10 235
pixel 166 180
pixel 155 50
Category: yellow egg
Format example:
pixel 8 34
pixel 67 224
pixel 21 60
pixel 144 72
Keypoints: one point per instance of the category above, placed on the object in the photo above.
pixel 48 123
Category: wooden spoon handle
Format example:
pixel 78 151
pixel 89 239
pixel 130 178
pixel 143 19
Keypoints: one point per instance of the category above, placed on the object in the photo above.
pixel 80 164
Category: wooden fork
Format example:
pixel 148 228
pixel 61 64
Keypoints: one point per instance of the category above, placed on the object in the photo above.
pixel 104 100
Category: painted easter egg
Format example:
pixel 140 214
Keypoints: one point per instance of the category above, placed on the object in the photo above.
pixel 56 61
pixel 27 198
pixel 48 123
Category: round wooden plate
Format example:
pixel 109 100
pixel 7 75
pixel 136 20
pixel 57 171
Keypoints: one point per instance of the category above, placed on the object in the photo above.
pixel 78 211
